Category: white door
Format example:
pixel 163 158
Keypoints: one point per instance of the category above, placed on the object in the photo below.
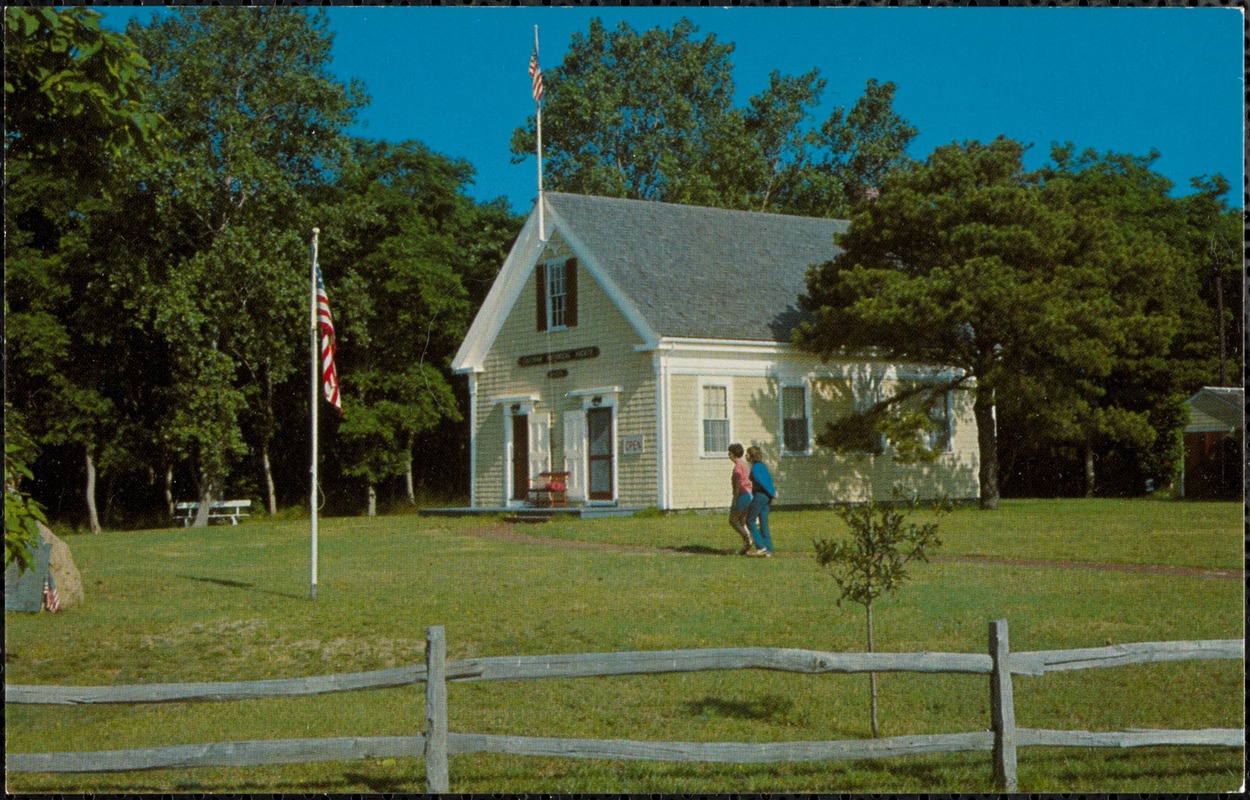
pixel 575 454
pixel 540 444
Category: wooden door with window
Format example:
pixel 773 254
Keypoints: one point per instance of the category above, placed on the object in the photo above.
pixel 520 456
pixel 600 453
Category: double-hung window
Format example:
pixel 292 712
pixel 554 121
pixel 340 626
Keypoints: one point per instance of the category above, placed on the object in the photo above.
pixel 715 416
pixel 556 282
pixel 796 431
pixel 556 295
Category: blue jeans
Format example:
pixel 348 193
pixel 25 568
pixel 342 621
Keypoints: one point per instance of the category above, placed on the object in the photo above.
pixel 738 511
pixel 757 521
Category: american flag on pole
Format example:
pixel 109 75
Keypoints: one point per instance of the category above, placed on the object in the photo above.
pixel 51 600
pixel 325 323
pixel 536 74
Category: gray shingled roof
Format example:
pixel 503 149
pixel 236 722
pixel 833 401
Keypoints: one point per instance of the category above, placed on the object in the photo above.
pixel 702 272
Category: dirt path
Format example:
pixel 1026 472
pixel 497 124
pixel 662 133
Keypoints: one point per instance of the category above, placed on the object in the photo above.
pixel 513 533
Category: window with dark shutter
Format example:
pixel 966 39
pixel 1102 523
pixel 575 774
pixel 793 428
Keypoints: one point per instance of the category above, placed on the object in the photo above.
pixel 570 290
pixel 540 284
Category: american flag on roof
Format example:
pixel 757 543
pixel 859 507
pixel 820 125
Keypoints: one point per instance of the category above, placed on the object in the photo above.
pixel 325 324
pixel 537 75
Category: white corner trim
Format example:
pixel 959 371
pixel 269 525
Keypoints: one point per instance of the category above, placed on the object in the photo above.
pixel 473 440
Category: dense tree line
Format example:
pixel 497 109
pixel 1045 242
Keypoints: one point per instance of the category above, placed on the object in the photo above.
pixel 160 200
pixel 1081 301
pixel 162 186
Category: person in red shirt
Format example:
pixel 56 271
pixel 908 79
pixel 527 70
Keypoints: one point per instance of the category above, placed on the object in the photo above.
pixel 740 480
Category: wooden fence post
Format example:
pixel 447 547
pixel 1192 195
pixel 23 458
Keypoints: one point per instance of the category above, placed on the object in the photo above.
pixel 1002 709
pixel 436 778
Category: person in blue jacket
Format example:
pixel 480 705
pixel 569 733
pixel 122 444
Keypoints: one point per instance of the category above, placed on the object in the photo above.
pixel 762 494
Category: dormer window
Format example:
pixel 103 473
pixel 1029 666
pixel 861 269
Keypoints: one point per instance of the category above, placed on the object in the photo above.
pixel 556 284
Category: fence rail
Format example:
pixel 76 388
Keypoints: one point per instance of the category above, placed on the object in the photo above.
pixel 587 665
pixel 437 742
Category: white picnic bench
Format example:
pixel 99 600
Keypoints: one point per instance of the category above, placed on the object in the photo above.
pixel 217 509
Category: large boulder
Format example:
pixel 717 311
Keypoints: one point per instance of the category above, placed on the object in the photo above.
pixel 63 570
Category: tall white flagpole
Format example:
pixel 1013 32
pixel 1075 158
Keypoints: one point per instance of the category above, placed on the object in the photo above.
pixel 312 495
pixel 538 124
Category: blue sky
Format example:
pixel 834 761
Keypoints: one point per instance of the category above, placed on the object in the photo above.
pixel 1123 79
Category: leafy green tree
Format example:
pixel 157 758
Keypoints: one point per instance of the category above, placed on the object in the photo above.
pixel 22 514
pixel 403 232
pixel 873 561
pixel 257 120
pixel 630 114
pixel 76 112
pixel 854 151
pixel 1216 236
pixel 962 263
pixel 74 100
pixel 1128 230
pixel 650 116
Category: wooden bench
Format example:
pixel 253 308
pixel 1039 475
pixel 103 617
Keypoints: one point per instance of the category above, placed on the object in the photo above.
pixel 217 509
pixel 549 489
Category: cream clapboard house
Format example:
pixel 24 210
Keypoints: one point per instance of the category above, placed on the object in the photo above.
pixel 632 341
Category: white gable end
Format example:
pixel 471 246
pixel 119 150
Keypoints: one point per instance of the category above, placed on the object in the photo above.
pixel 510 282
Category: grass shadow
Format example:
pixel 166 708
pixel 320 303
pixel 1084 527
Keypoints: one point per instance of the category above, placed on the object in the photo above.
pixel 237 585
pixel 700 550
pixel 766 707
pixel 378 785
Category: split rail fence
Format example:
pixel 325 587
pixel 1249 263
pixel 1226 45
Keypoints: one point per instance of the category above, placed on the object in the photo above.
pixel 436 742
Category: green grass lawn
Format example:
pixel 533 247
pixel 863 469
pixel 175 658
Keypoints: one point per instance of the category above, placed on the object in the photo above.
pixel 227 603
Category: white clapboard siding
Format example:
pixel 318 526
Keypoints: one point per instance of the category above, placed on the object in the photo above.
pixel 221 754
pixel 1043 661
pixel 721 752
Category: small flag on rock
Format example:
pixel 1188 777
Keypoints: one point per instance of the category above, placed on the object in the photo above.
pixel 51 600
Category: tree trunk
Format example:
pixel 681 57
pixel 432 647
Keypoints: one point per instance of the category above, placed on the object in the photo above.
pixel 269 491
pixel 266 435
pixel 373 501
pixel 1089 469
pixel 412 497
pixel 206 497
pixel 169 488
pixel 93 517
pixel 872 676
pixel 987 440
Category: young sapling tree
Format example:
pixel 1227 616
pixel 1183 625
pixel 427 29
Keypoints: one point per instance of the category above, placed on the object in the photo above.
pixel 873 561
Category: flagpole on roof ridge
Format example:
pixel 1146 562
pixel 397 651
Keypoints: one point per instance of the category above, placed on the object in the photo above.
pixel 312 494
pixel 536 75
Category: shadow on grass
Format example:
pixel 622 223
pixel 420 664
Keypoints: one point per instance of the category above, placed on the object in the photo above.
pixel 237 585
pixel 1126 766
pixel 700 550
pixel 381 785
pixel 766 707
